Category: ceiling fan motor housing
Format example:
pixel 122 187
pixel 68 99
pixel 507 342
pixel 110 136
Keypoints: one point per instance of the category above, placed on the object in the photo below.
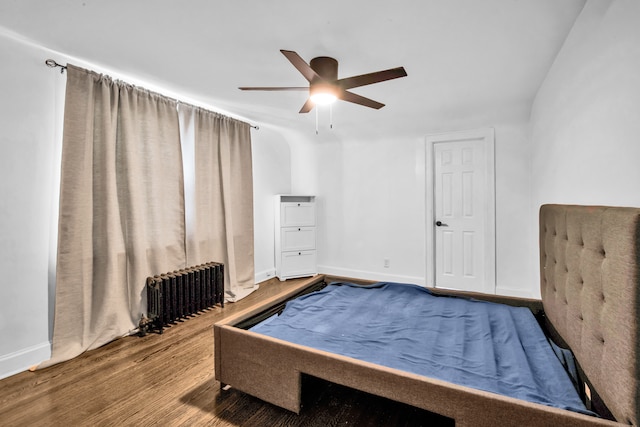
pixel 327 69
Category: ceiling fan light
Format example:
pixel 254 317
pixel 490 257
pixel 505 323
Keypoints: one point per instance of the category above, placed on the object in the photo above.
pixel 323 98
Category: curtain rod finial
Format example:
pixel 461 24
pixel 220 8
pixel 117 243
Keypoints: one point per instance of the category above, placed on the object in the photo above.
pixel 53 64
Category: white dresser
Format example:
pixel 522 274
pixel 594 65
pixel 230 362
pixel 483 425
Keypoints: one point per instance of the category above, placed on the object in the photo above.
pixel 295 236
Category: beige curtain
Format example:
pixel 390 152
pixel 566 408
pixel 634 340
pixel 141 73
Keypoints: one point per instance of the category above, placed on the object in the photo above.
pixel 219 210
pixel 121 208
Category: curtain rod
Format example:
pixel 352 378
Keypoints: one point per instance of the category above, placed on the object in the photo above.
pixel 53 64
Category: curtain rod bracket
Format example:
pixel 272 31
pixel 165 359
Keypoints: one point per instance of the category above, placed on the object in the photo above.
pixel 53 64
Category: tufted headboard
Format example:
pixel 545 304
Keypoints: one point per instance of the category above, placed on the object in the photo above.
pixel 590 286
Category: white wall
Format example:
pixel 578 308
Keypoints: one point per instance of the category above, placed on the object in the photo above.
pixel 585 123
pixel 27 169
pixel 271 176
pixel 30 133
pixel 516 245
pixel 371 207
pixel 371 202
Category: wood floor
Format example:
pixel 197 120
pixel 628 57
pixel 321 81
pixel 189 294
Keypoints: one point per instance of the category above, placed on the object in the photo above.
pixel 168 380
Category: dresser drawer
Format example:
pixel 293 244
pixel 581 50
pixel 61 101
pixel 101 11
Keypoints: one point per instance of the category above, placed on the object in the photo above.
pixel 297 214
pixel 298 264
pixel 298 238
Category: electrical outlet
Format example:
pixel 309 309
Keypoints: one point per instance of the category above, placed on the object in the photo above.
pixel 386 263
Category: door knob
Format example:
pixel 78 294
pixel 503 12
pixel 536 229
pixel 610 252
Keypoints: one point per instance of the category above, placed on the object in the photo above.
pixel 441 224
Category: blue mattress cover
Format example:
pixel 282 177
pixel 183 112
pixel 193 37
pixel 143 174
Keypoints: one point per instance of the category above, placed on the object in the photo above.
pixel 484 345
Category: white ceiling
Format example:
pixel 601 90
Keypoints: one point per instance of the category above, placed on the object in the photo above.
pixel 469 62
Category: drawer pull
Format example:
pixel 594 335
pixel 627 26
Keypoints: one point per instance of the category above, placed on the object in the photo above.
pixel 299 253
pixel 298 229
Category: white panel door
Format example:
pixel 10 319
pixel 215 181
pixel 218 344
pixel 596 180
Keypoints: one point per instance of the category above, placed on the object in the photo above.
pixel 463 214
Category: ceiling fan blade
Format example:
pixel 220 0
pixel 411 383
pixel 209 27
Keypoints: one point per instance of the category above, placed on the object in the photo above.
pixel 304 68
pixel 358 99
pixel 308 106
pixel 273 88
pixel 370 78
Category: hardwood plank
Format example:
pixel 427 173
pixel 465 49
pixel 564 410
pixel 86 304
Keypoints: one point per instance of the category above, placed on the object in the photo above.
pixel 168 380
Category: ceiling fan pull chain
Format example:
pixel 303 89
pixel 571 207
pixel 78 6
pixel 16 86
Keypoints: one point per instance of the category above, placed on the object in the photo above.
pixel 317 120
pixel 330 116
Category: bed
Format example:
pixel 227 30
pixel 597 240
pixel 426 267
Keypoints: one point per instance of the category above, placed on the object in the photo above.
pixel 589 269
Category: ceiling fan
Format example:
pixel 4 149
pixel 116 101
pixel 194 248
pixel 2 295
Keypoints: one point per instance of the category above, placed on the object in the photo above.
pixel 324 85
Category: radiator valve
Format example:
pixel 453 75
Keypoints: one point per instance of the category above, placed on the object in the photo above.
pixel 143 326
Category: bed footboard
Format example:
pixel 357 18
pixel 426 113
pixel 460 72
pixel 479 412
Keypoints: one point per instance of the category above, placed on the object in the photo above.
pixel 254 367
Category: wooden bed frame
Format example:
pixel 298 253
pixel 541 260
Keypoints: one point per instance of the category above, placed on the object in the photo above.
pixel 590 282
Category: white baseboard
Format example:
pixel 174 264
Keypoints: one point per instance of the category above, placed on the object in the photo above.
pixel 511 292
pixel 385 277
pixel 265 275
pixel 370 275
pixel 22 360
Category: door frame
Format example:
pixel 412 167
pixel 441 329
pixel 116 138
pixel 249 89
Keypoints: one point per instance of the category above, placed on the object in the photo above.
pixel 488 137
